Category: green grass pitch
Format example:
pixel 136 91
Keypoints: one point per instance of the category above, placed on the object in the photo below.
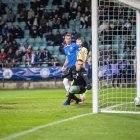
pixel 22 110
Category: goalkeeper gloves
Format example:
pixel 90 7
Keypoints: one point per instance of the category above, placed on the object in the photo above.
pixel 88 87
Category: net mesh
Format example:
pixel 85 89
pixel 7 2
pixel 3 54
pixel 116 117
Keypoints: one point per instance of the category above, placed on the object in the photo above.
pixel 117 56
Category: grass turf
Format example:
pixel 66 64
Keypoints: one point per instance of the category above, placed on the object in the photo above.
pixel 24 109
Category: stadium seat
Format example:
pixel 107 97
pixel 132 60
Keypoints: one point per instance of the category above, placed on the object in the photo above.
pixel 55 55
pixel 15 23
pixel 23 40
pixel 61 58
pixel 44 65
pixel 115 46
pixel 26 33
pixel 5 17
pixel 56 48
pixel 43 40
pixel 23 58
pixel 101 47
pixel 50 49
pixel 48 7
pixel 35 48
pixel 56 52
pixel 54 31
pixel 88 38
pixel 9 24
pixel 66 15
pixel 38 40
pixel 18 40
pixel 21 65
pixel 42 47
pixel 71 24
pixel 69 30
pixel 31 41
pixel 50 23
pixel 22 25
pixel 83 31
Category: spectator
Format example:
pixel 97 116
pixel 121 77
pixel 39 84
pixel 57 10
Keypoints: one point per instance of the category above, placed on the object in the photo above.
pixel 122 72
pixel 67 6
pixel 2 56
pixel 5 30
pixel 74 35
pixel 30 17
pixel 83 21
pixel 1 39
pixel 9 37
pixel 17 57
pixel 2 8
pixel 34 31
pixel 18 32
pixel 42 21
pixel 10 16
pixel 28 56
pixel 5 46
pixel 36 21
pixel 33 57
pixel 14 45
pixel 47 55
pixel 22 15
pixel 34 4
pixel 37 56
pixel 57 38
pixel 64 22
pixel 10 56
pixel 41 31
pixel 47 28
pixel 21 6
pixel 56 2
pixel 1 22
pixel 49 38
pixel 56 23
pixel 114 71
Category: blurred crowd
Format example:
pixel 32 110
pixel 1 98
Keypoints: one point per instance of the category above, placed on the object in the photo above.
pixel 40 20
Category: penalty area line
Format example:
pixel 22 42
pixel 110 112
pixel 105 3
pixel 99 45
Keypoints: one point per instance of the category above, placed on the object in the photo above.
pixel 42 126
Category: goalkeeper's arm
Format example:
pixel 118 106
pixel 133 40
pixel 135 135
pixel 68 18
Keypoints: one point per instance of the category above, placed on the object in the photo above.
pixel 88 85
pixel 67 72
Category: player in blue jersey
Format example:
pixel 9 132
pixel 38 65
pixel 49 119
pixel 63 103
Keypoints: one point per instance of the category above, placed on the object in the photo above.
pixel 70 50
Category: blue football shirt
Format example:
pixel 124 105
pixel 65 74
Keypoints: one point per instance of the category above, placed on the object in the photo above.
pixel 71 53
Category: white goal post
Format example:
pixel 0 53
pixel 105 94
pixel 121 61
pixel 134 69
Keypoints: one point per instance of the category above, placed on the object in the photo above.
pixel 105 97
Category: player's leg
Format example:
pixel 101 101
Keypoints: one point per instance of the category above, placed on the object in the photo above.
pixel 72 91
pixel 83 97
pixel 66 85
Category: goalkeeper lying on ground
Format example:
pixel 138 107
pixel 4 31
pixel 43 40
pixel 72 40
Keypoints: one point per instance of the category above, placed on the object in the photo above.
pixel 80 81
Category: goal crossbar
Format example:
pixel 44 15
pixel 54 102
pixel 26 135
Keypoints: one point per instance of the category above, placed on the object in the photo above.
pixel 133 3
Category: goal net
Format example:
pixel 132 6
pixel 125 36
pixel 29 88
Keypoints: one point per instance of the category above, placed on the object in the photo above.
pixel 116 57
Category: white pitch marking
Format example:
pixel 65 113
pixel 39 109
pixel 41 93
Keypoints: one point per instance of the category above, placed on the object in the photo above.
pixel 42 126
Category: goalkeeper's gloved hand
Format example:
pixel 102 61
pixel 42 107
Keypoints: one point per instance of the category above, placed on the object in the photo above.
pixel 88 87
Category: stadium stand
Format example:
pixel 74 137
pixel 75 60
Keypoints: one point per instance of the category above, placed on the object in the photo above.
pixel 37 25
pixel 41 24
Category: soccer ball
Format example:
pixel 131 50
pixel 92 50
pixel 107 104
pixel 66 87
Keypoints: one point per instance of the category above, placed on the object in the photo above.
pixel 137 101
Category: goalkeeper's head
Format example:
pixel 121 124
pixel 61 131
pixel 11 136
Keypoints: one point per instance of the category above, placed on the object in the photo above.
pixel 79 64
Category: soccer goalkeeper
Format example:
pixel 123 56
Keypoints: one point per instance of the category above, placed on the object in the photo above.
pixel 80 81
